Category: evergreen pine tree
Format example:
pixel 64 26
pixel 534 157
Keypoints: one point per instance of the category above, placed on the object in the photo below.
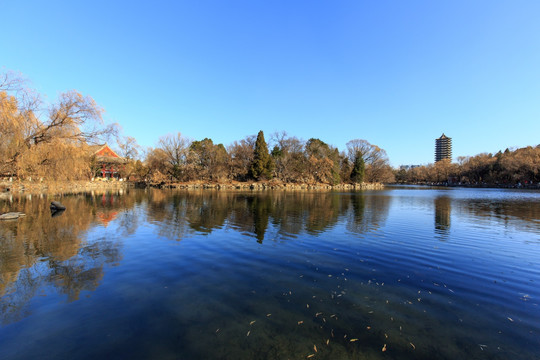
pixel 262 165
pixel 358 171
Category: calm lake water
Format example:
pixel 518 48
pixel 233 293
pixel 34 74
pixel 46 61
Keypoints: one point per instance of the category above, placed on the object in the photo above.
pixel 403 273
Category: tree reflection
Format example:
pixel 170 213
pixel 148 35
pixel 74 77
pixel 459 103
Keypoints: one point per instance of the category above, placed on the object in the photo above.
pixel 523 214
pixel 39 250
pixel 182 214
pixel 366 213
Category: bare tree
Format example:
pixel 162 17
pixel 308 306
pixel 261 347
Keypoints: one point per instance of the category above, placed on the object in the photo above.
pixel 129 148
pixel 176 150
pixel 34 138
pixel 241 156
pixel 375 160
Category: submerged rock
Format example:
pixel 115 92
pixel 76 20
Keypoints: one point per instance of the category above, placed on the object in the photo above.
pixel 11 215
pixel 55 205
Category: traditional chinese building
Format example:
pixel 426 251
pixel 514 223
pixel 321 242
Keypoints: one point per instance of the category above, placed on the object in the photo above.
pixel 443 148
pixel 107 163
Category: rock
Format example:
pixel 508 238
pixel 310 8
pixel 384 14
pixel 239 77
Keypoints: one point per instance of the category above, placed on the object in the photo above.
pixel 55 205
pixel 11 215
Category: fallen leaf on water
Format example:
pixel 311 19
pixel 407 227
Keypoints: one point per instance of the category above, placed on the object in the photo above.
pixel 327 341
pixel 383 348
pixel 315 348
pixel 353 340
pixel 300 322
pixel 217 330
pixel 249 332
pixel 307 305
pixel 310 356
pixel 368 327
pixel 386 336
pixel 414 347
pixel 253 322
pixel 317 314
pixel 267 315
pixel 509 318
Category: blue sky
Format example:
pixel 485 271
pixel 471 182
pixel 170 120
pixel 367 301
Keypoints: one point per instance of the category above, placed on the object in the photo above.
pixel 396 73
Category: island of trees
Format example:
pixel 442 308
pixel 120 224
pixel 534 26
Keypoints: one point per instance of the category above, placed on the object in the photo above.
pixel 53 142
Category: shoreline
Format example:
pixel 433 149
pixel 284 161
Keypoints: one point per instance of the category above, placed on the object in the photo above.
pixel 75 187
pixel 473 186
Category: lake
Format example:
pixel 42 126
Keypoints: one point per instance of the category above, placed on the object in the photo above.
pixel 400 273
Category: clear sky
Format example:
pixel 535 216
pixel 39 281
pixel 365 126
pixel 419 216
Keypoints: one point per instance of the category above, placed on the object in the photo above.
pixel 396 73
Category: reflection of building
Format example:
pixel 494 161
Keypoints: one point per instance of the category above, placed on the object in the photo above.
pixel 107 162
pixel 443 208
pixel 106 217
pixel 443 148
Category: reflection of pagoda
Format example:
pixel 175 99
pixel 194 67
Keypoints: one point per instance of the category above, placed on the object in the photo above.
pixel 443 208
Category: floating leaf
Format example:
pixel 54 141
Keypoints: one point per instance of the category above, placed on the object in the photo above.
pixel 383 348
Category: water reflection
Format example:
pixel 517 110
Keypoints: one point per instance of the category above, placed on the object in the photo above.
pixel 70 251
pixel 443 209
pixel 333 267
pixel 522 214
pixel 181 214
pixel 54 250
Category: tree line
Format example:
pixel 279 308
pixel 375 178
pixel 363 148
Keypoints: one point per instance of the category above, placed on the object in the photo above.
pixel 54 142
pixel 509 167
pixel 288 159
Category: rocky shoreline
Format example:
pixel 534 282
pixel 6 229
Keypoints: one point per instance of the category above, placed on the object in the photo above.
pixel 60 187
pixel 268 186
pixel 70 187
